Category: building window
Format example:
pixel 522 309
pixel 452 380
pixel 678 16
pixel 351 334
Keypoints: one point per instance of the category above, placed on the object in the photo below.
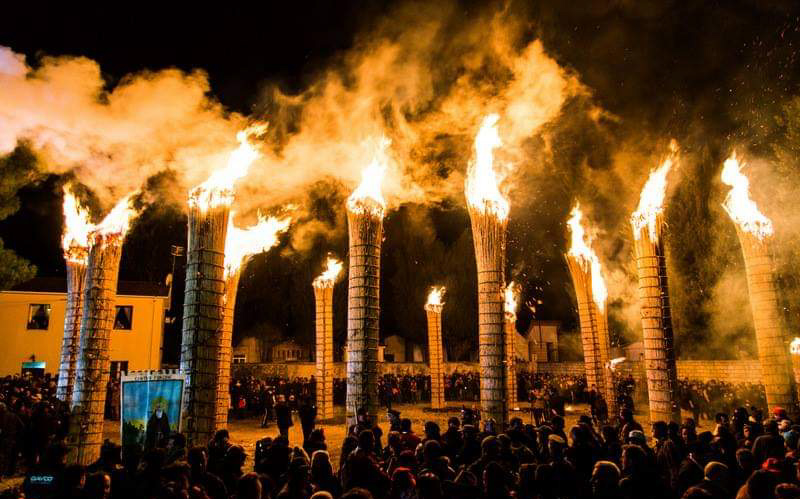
pixel 118 368
pixel 124 318
pixel 239 358
pixel 38 316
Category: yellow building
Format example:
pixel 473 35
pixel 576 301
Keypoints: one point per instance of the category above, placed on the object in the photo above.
pixel 32 318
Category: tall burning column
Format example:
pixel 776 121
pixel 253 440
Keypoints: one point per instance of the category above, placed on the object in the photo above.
pixel 240 245
pixel 590 289
pixel 433 309
pixel 323 299
pixel 75 243
pixel 755 235
pixel 511 343
pixel 205 292
pixel 488 212
pixel 659 343
pixel 365 210
pixel 92 371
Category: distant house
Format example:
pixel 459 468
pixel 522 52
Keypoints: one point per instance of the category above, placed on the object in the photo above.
pixel 399 349
pixel 291 351
pixel 248 349
pixel 634 351
pixel 542 341
pixel 32 318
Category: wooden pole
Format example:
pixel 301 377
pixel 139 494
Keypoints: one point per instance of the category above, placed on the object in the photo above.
pixel 92 371
pixel 435 355
pixel 659 343
pixel 223 396
pixel 489 238
pixel 70 342
pixel 203 312
pixel 323 298
pixel 771 338
pixel 363 312
pixel 511 360
pixel 604 346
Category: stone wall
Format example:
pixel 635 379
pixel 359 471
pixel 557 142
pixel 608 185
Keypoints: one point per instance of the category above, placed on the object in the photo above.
pixel 733 371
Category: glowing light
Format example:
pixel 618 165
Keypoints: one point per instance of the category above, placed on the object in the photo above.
pixel 118 221
pixel 367 197
pixel 435 298
pixel 511 301
pixel 482 189
pixel 651 201
pixel 77 228
pixel 328 277
pixel 581 249
pixel 243 243
pixel 218 189
pixel 794 347
pixel 613 363
pixel 743 210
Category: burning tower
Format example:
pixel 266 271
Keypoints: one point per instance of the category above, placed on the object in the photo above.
pixel 659 348
pixel 205 292
pixel 365 210
pixel 488 212
pixel 97 320
pixel 323 298
pixel 75 243
pixel 433 309
pixel 755 235
pixel 240 245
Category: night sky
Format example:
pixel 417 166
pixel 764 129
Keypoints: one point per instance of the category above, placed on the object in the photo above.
pixel 712 75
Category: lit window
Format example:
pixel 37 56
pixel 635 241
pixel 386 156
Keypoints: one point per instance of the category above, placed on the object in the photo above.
pixel 38 316
pixel 239 359
pixel 124 317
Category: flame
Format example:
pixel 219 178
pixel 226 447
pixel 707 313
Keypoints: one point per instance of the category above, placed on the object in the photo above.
pixel 118 220
pixel 482 191
pixel 332 269
pixel 794 347
pixel 435 297
pixel 584 252
pixel 613 363
pixel 651 202
pixel 242 243
pixel 217 190
pixel 743 210
pixel 77 227
pixel 367 197
pixel 511 301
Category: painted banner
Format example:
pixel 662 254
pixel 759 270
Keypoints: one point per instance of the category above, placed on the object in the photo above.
pixel 151 405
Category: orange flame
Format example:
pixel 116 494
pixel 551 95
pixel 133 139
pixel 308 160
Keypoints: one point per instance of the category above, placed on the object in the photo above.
pixel 651 202
pixel 435 298
pixel 240 244
pixel 218 189
pixel 118 221
pixel 743 210
pixel 77 227
pixel 367 197
pixel 613 363
pixel 511 301
pixel 482 190
pixel 328 277
pixel 581 248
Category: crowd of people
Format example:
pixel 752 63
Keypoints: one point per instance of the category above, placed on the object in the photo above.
pixel 744 454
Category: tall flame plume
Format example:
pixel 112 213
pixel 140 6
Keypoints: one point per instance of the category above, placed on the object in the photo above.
pixel 743 210
pixel 328 277
pixel 77 228
pixel 651 201
pixel 435 297
pixel 482 189
pixel 218 188
pixel 581 248
pixel 511 301
pixel 367 197
pixel 118 221
pixel 240 244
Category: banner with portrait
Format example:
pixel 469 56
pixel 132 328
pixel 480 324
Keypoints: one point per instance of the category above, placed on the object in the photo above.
pixel 150 406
